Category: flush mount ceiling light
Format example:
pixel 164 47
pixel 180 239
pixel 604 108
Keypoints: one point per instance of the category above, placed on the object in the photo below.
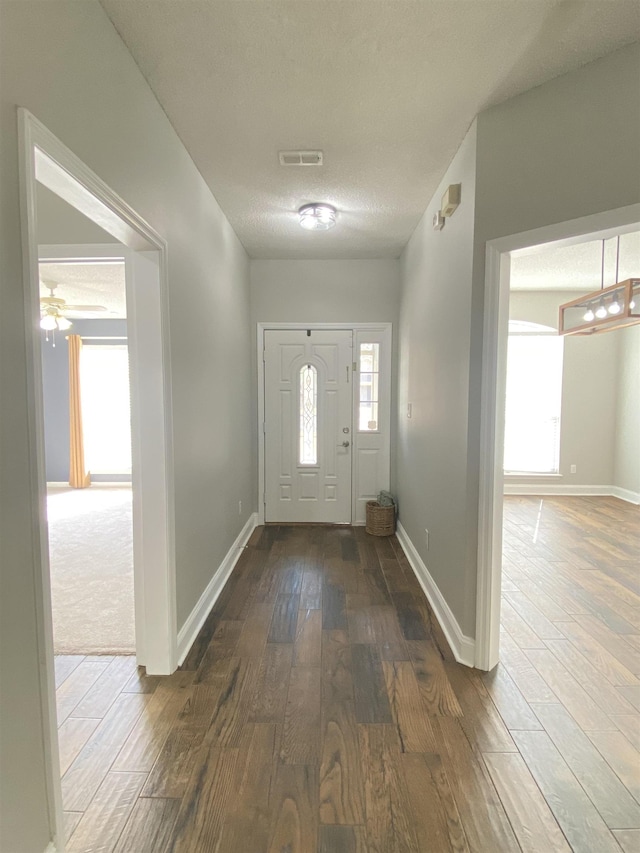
pixel 603 310
pixel 317 217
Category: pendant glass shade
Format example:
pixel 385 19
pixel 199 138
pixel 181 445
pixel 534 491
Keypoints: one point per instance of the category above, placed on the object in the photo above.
pixel 53 320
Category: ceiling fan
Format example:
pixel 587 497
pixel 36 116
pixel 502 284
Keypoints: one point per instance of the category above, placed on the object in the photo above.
pixel 53 309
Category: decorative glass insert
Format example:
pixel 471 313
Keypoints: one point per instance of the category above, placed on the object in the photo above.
pixel 308 415
pixel 369 377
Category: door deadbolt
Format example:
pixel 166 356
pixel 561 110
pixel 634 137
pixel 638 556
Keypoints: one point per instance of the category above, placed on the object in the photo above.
pixel 345 430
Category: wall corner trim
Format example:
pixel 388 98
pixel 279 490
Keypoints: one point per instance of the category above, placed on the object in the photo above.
pixel 463 647
pixel 196 619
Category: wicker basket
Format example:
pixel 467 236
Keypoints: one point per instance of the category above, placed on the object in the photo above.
pixel 381 520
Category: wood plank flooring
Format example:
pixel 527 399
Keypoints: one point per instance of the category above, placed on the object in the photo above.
pixel 321 711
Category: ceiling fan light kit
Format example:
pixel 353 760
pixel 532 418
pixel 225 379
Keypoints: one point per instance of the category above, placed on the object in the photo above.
pixel 49 323
pixel 52 318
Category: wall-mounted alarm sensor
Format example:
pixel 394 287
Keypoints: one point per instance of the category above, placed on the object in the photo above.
pixel 451 199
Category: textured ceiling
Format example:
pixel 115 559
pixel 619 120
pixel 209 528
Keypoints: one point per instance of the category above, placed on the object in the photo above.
pixel 386 88
pixel 576 267
pixel 87 284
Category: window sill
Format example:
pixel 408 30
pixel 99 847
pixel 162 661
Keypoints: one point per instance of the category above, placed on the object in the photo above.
pixel 519 475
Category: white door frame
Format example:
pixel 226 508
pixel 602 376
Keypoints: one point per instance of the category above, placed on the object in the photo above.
pixel 494 371
pixel 44 159
pixel 386 328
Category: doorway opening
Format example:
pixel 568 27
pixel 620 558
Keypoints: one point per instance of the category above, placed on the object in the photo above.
pixel 87 434
pixel 502 255
pixel 46 162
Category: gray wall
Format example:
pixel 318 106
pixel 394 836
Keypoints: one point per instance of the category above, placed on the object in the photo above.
pixel 55 382
pixel 65 63
pixel 547 156
pixel 325 291
pixel 347 291
pixel 626 470
pixel 59 223
pixel 432 479
pixel 587 426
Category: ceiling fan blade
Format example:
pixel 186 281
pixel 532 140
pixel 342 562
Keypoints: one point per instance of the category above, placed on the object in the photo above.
pixel 84 308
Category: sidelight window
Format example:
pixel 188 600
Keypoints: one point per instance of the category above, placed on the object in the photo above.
pixel 369 394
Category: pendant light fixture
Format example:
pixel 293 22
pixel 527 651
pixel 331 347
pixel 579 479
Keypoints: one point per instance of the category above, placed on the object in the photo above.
pixel 603 310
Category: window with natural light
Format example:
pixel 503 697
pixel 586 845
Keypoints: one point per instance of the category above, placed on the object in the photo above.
pixel 106 412
pixel 369 377
pixel 533 400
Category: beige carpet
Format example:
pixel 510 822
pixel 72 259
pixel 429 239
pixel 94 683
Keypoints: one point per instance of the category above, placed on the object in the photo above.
pixel 91 555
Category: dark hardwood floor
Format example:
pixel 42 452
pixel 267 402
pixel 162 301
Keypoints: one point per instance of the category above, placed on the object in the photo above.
pixel 320 709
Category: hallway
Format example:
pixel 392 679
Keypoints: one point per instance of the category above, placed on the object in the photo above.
pixel 320 708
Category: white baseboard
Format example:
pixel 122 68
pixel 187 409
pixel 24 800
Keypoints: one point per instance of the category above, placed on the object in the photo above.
pixel 463 647
pixel 576 491
pixel 625 495
pixel 196 619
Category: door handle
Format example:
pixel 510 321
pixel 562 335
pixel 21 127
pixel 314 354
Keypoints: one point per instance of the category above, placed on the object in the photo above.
pixel 344 444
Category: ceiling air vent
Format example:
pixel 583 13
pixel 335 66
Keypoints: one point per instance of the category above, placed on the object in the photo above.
pixel 300 158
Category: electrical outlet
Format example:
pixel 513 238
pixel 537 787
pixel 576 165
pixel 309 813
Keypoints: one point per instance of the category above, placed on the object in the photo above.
pixel 573 469
pixel 426 538
pixel 239 507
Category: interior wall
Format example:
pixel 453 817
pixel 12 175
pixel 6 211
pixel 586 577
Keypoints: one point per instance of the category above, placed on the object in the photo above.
pixel 544 157
pixel 587 431
pixel 65 63
pixel 55 386
pixel 565 150
pixel 61 224
pixel 627 449
pixel 365 291
pixel 336 291
pixel 434 379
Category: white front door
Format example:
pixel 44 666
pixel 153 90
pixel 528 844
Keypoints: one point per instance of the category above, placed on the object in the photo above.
pixel 308 429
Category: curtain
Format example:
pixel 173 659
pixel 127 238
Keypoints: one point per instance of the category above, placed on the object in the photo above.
pixel 79 477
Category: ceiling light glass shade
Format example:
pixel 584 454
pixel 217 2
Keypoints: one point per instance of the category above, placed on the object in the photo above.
pixel 317 217
pixel 578 317
pixel 64 324
pixel 48 322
